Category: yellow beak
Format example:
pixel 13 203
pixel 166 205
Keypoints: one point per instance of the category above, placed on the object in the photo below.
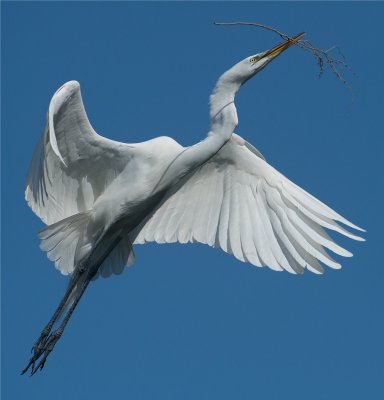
pixel 275 51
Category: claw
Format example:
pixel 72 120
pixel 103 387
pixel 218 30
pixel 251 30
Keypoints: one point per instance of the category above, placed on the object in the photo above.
pixel 27 367
pixel 43 347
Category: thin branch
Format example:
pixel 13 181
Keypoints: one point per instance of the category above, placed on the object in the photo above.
pixel 323 57
pixel 282 35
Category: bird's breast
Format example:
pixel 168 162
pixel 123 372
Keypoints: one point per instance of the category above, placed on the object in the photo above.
pixel 136 190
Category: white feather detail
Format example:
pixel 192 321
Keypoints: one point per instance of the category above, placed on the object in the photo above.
pixel 72 165
pixel 238 202
pixel 60 241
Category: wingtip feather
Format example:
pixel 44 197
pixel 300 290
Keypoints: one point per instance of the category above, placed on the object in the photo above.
pixel 350 224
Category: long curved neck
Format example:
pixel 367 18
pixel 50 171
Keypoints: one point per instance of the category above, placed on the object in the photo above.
pixel 223 117
pixel 222 112
pixel 224 120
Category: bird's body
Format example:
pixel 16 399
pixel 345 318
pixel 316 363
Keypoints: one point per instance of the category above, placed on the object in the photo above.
pixel 100 197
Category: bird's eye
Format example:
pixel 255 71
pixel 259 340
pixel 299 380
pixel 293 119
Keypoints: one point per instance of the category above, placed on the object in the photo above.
pixel 253 60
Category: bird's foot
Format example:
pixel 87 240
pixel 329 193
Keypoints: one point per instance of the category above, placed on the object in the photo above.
pixel 41 350
pixel 40 342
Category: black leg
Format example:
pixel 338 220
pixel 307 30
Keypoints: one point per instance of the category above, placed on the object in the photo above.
pixel 79 282
pixel 54 337
pixel 42 342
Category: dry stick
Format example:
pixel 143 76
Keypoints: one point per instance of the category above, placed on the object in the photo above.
pixel 322 56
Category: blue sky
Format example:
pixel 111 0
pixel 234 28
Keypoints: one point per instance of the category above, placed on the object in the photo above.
pixel 189 321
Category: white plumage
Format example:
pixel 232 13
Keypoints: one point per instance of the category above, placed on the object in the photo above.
pixel 100 197
pixel 238 202
pixel 235 200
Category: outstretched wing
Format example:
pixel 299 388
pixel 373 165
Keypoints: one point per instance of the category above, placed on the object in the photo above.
pixel 72 165
pixel 238 202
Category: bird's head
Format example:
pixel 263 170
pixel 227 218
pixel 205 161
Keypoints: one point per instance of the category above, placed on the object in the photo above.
pixel 222 109
pixel 251 65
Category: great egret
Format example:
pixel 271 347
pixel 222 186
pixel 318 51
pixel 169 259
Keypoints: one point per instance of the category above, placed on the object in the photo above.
pixel 99 197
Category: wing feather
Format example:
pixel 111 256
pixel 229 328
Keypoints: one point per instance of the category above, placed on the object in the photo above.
pixel 266 223
pixel 320 219
pixel 296 263
pixel 234 225
pixel 257 234
pixel 246 231
pixel 238 202
pixel 265 246
pixel 224 215
pixel 214 208
pixel 72 165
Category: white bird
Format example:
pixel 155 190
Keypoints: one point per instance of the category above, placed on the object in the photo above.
pixel 99 197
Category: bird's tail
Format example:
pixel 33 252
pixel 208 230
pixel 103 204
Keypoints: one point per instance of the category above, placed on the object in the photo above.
pixel 119 254
pixel 61 241
pixel 67 243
